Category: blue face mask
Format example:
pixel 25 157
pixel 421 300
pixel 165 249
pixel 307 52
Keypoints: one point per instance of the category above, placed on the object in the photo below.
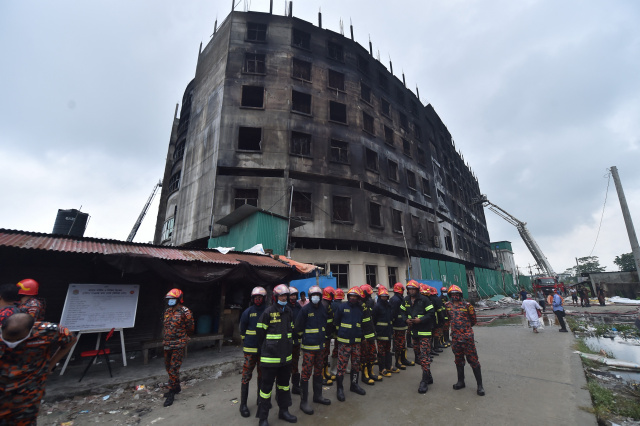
pixel 315 299
pixel 172 302
pixel 281 303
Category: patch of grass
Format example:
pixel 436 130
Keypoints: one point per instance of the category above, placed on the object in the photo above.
pixel 573 323
pixel 605 402
pixel 581 346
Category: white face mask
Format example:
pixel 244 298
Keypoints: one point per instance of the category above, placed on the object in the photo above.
pixel 315 299
pixel 172 302
pixel 12 345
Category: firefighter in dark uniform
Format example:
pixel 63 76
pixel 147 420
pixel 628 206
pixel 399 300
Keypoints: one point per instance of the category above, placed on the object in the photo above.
pixel 338 299
pixel 446 342
pixel 275 334
pixel 178 325
pixel 351 330
pixel 437 329
pixel 399 328
pixel 327 300
pixel 368 349
pixel 248 327
pixel 420 314
pixel 28 290
pixel 463 318
pixel 310 326
pixel 382 320
pixel 295 373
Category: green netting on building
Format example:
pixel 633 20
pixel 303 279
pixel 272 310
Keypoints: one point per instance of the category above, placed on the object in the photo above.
pixel 525 282
pixel 448 272
pixel 488 282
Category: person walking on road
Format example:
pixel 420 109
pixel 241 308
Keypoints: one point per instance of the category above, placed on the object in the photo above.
pixel 250 347
pixel 351 329
pixel 28 352
pixel 530 308
pixel 574 296
pixel 463 318
pixel 421 317
pixel 310 327
pixel 275 332
pixel 28 290
pixel 559 311
pixel 178 326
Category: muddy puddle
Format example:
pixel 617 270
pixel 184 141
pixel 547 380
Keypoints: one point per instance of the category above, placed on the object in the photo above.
pixel 619 348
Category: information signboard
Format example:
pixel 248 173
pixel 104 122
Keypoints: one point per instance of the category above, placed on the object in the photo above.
pixel 100 306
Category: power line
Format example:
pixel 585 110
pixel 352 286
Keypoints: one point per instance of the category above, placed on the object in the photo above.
pixel 602 216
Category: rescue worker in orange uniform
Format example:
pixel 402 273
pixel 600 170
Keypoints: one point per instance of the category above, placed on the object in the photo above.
pixel 310 326
pixel 420 314
pixel 437 329
pixel 248 332
pixel 178 326
pixel 275 337
pixel 28 289
pixel 338 299
pixel 463 318
pixel 327 299
pixel 399 328
pixel 446 342
pixel 295 373
pixel 9 301
pixel 382 320
pixel 28 352
pixel 368 348
pixel 351 330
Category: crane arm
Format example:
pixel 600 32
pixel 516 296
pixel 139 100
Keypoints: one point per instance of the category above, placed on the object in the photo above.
pixel 134 230
pixel 528 239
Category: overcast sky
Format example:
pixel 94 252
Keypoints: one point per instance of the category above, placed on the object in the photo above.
pixel 541 97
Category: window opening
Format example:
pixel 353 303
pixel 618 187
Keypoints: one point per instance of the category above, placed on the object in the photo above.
pixel 300 102
pixel 363 65
pixel 406 147
pixel 404 122
pixel 167 229
pixel 249 138
pixel 371 159
pixel 393 170
pixel 301 143
pixel 246 196
pixel 301 207
pixel 448 242
pixel 341 209
pixel 375 214
pixel 179 152
pixel 367 123
pixel 385 107
pixel 341 273
pixel 336 51
pixel 396 220
pixel 365 92
pixel 301 39
pixel 301 69
pixel 254 63
pixel 388 135
pixel 336 80
pixel 371 272
pixel 338 112
pixel 174 182
pixel 426 187
pixel 253 96
pixel 392 273
pixel 256 32
pixel 383 81
pixel 411 180
pixel 339 151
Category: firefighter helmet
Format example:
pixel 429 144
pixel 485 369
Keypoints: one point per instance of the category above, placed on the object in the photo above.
pixel 339 294
pixel 315 290
pixel 413 284
pixel 356 291
pixel 328 293
pixel 258 291
pixel 382 291
pixel 424 290
pixel 366 288
pixel 293 290
pixel 454 289
pixel 443 290
pixel 280 289
pixel 398 288
pixel 28 287
pixel 175 293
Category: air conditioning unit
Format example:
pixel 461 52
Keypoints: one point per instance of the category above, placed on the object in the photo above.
pixel 436 241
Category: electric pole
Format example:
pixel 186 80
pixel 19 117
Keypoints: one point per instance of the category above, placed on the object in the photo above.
pixel 635 248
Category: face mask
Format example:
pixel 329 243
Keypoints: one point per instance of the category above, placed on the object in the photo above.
pixel 12 345
pixel 315 299
pixel 172 302
pixel 281 303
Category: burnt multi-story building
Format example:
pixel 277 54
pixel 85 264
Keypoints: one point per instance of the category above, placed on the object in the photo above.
pixel 290 117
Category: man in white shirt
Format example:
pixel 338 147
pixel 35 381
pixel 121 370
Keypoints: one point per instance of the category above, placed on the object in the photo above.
pixel 530 306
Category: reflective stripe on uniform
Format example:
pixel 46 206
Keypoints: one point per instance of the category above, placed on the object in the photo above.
pixel 400 328
pixel 341 340
pixel 250 332
pixel 283 388
pixel 403 307
pixel 265 395
pixel 310 348
pixel 312 330
pixel 345 325
pixel 366 319
pixel 429 308
pixel 290 357
pixel 250 350
pixel 383 338
pixel 261 325
pixel 382 323
pixel 274 336
pixel 289 335
pixel 269 360
pixel 424 333
pixel 369 336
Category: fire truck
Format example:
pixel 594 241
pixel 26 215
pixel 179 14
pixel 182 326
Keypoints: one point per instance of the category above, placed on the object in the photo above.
pixel 545 284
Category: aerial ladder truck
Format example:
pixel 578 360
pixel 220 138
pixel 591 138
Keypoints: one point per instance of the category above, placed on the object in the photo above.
pixel 134 230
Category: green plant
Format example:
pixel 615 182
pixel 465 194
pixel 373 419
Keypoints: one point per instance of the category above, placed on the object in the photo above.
pixel 606 402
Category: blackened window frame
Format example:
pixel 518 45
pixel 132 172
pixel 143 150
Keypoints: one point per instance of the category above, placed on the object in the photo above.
pixel 299 148
pixel 375 215
pixel 300 201
pixel 301 69
pixel 244 194
pixel 256 59
pixel 246 130
pixel 335 51
pixel 396 221
pixel 301 103
pixel 339 150
pixel 392 166
pixel 332 117
pixel 371 162
pixel 340 201
pixel 257 34
pixel 247 90
pixel 368 123
pixel 304 39
pixel 336 80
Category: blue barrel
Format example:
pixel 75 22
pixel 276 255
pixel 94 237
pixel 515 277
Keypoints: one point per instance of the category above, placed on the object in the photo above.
pixel 204 324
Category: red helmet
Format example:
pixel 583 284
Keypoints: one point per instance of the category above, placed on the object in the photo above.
pixel 366 288
pixel 280 289
pixel 258 291
pixel 434 291
pixel 293 290
pixel 356 291
pixel 398 288
pixel 443 290
pixel 328 293
pixel 175 293
pixel 382 291
pixel 413 284
pixel 454 289
pixel 28 287
pixel 315 290
pixel 424 290
pixel 339 294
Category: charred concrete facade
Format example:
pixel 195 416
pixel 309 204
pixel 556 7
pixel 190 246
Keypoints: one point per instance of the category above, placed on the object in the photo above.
pixel 280 103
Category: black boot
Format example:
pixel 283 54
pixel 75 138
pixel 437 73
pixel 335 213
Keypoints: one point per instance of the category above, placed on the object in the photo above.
pixel 263 411
pixel 258 400
pixel 399 364
pixel 388 362
pixel 176 390
pixel 478 374
pixel 295 383
pixel 169 400
pixel 409 341
pixel 423 388
pixel 460 383
pixel 244 395
pixel 340 394
pixel 405 361
pixel 304 400
pixel 430 379
pixel 355 387
pixel 284 414
pixel 317 391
